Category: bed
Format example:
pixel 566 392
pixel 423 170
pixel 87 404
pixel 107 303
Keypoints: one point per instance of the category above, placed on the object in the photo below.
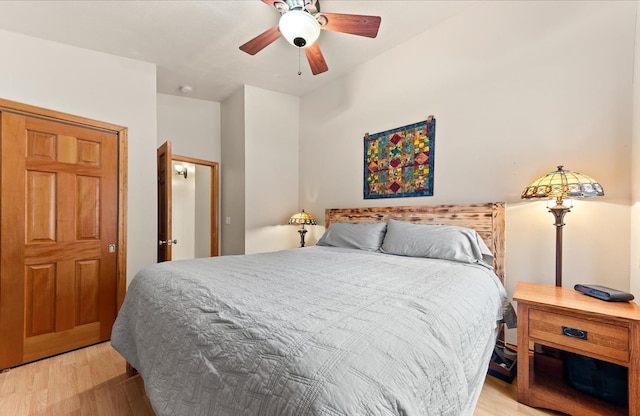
pixel 333 329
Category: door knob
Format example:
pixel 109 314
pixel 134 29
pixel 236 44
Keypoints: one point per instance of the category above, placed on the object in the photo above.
pixel 167 242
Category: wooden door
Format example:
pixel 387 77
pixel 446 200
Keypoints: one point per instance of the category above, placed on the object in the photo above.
pixel 58 236
pixel 164 202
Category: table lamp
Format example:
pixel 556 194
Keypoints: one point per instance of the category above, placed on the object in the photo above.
pixel 558 186
pixel 302 218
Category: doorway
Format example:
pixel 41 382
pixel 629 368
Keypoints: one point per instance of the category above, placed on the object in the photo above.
pixel 187 206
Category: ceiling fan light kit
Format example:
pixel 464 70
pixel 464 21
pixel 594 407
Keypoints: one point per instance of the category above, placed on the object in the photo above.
pixel 299 28
pixel 300 24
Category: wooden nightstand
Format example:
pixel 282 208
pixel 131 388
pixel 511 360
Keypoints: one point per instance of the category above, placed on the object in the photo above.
pixel 612 335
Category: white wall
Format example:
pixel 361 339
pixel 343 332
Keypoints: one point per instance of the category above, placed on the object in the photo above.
pixel 192 126
pixel 202 215
pixel 183 207
pixel 260 171
pixel 102 87
pixel 233 175
pixel 271 167
pixel 517 88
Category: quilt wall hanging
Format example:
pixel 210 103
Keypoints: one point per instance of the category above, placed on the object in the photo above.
pixel 399 162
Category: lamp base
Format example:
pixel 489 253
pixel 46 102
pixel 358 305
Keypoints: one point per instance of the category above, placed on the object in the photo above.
pixel 302 232
pixel 559 211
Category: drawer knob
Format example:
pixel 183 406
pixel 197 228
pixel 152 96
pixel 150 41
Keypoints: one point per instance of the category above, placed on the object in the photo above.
pixel 574 332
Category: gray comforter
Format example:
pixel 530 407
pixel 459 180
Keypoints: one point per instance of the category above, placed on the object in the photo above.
pixel 313 331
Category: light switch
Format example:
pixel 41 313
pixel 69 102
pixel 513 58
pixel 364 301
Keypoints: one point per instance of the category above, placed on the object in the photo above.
pixel 227 220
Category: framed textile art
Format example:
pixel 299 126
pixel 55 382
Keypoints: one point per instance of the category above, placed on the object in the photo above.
pixel 399 163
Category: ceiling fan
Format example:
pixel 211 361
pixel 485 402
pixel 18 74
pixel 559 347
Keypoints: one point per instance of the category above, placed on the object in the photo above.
pixel 300 24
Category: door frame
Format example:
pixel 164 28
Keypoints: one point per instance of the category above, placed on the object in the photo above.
pixel 213 198
pixel 165 198
pixel 122 137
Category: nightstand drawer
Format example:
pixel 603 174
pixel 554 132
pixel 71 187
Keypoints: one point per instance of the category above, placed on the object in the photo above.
pixel 606 340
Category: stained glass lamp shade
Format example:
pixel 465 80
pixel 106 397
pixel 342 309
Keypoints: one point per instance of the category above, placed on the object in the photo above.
pixel 302 218
pixel 557 186
pixel 562 184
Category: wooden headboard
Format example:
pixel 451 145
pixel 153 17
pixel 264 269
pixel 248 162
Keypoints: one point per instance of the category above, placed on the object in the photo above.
pixel 487 219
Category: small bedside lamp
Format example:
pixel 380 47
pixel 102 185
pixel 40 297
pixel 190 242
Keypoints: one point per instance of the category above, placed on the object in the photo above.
pixel 556 186
pixel 302 218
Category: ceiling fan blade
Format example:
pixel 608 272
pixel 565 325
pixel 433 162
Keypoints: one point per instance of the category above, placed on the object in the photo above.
pixel 354 24
pixel 316 60
pixel 270 2
pixel 261 41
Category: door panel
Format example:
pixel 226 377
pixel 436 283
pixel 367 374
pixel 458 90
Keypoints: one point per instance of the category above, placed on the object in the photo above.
pixel 40 299
pixel 41 207
pixel 59 215
pixel 88 208
pixel 87 291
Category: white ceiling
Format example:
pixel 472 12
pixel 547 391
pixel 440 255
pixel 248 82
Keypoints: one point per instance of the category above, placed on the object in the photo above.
pixel 196 42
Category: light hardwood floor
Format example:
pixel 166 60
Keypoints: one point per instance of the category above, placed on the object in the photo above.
pixel 91 381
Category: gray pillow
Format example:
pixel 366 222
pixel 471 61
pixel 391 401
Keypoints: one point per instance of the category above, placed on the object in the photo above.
pixel 436 241
pixel 361 236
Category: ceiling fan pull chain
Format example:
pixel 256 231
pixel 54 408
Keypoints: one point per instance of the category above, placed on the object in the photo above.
pixel 299 57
